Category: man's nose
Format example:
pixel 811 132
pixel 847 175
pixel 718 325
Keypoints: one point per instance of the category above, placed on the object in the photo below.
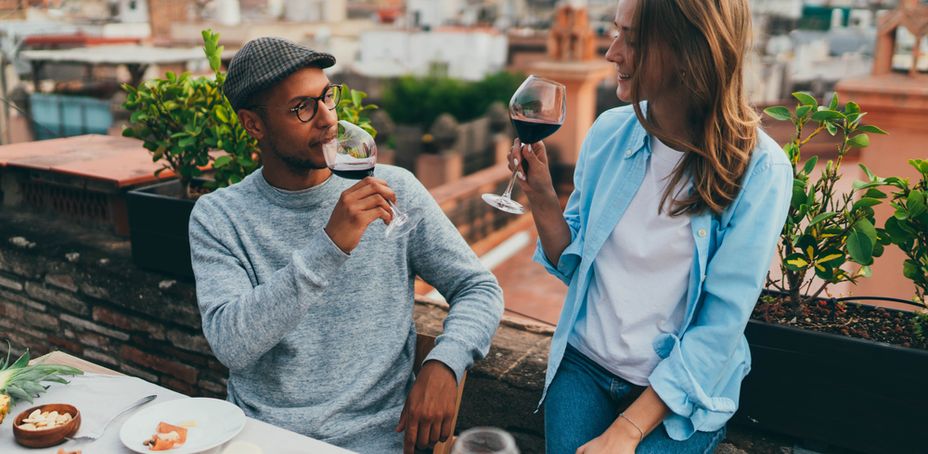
pixel 326 117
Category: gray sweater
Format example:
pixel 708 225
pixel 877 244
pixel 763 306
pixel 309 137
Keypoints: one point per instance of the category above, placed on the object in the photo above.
pixel 318 341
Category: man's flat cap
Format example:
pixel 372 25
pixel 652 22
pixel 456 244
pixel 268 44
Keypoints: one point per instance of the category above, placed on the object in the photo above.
pixel 263 62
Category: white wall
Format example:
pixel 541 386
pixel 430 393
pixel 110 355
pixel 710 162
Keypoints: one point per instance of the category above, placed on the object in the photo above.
pixel 469 55
pixel 782 8
pixel 315 10
pixel 433 13
pixel 133 11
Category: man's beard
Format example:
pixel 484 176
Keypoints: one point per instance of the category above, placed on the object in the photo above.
pixel 295 162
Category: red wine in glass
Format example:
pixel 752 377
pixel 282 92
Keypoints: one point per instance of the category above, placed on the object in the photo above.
pixel 531 131
pixel 537 109
pixel 354 174
pixel 353 155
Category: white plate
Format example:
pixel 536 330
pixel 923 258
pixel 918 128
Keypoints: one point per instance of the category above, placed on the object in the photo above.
pixel 218 421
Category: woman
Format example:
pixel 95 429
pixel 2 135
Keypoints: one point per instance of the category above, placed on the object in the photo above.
pixel 665 242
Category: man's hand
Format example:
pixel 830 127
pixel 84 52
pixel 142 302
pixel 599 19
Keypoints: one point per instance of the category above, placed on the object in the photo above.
pixel 357 207
pixel 429 409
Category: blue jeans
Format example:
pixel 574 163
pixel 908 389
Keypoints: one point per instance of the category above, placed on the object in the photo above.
pixel 584 399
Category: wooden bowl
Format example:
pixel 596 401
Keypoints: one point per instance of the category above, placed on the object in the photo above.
pixel 47 437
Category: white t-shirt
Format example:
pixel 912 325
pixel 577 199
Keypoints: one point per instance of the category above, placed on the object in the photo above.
pixel 640 281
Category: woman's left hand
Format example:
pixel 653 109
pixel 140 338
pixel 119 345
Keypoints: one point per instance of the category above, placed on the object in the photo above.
pixel 612 441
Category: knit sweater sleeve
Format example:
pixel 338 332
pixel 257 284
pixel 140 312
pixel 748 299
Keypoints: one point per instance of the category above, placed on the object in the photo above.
pixel 443 259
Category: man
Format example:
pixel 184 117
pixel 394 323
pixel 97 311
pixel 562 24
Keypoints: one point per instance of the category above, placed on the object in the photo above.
pixel 302 297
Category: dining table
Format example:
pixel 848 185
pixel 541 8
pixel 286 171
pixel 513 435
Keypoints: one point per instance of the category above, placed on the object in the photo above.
pixel 102 393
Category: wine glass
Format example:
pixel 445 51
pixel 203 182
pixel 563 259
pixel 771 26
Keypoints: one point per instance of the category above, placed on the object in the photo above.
pixel 537 109
pixel 353 155
pixel 485 440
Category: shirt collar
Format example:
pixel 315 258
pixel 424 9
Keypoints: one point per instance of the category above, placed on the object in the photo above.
pixel 640 137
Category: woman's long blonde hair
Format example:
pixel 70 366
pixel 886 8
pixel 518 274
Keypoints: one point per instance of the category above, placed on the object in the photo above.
pixel 709 39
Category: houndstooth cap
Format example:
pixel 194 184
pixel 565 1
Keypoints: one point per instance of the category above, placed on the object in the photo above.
pixel 263 62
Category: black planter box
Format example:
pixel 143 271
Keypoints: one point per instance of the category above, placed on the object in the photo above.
pixel 852 393
pixel 158 219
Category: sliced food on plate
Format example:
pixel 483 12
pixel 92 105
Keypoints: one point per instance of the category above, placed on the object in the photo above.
pixel 167 436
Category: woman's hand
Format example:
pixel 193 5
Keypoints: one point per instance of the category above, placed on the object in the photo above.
pixel 617 439
pixel 532 164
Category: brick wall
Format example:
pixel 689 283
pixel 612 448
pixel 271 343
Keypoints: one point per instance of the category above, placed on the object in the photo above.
pixel 162 13
pixel 57 293
pixel 12 9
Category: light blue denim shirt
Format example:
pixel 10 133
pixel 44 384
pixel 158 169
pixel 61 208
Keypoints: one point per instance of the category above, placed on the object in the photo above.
pixel 702 365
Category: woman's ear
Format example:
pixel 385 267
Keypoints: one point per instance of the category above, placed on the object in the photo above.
pixel 253 123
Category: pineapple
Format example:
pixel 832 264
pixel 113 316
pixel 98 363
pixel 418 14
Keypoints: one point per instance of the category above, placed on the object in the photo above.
pixel 20 381
pixel 4 406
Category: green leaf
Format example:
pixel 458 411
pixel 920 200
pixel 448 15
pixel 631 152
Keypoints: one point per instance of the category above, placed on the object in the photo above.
pixel 858 185
pixel 138 116
pixel 22 361
pixel 871 129
pixel 867 228
pixel 860 141
pixel 796 262
pixel 827 115
pixel 810 165
pixel 799 193
pixel 822 217
pixel 910 270
pixel 825 272
pixel 18 393
pixel 186 142
pixel 222 161
pixel 866 202
pixel 834 102
pixel 831 128
pixel 874 193
pixel 831 256
pixel 805 99
pixel 778 113
pixel 792 152
pixel 860 247
pixel 852 108
pixel 896 232
pixel 916 204
pixel 802 111
pixel 878 249
pixel 920 165
pixel 870 175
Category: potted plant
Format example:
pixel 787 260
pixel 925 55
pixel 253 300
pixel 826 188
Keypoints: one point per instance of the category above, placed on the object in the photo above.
pixel 188 126
pixel 908 228
pixel 832 369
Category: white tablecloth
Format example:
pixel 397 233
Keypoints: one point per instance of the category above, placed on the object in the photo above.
pixel 99 397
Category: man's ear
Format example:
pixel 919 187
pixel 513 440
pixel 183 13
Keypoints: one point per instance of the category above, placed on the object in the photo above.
pixel 253 123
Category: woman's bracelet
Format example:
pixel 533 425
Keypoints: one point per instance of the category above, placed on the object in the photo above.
pixel 640 432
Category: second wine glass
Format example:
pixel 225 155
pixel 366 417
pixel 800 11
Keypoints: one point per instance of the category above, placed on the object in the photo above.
pixel 353 155
pixel 537 109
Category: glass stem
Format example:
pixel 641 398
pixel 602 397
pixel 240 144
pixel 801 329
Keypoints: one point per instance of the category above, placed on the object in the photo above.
pixel 512 181
pixel 396 211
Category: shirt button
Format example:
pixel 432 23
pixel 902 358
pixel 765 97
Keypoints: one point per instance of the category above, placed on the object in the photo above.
pixel 628 153
pixel 702 233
